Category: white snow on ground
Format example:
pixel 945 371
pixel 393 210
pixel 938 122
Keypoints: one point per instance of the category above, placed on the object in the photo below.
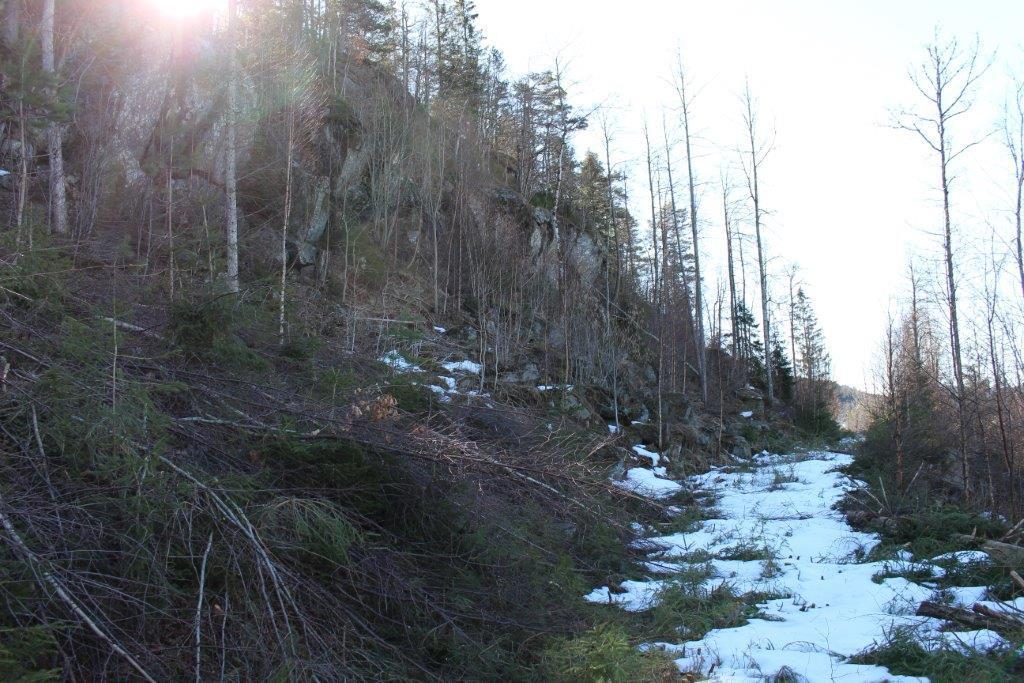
pixel 747 413
pixel 466 366
pixel 830 606
pixel 395 360
pixel 444 395
pixel 650 483
pixel 643 452
pixel 398 363
pixel 962 556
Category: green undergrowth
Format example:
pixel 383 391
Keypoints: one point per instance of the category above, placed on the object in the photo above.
pixel 688 610
pixel 684 609
pixel 748 551
pixel 26 654
pixel 205 328
pixel 688 519
pixel 403 566
pixel 919 522
pixel 902 654
pixel 605 653
pixel 408 567
pixel 36 280
pixel 783 436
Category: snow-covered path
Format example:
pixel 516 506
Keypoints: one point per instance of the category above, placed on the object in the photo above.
pixel 830 605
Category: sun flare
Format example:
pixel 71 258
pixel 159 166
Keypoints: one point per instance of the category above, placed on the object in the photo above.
pixel 185 8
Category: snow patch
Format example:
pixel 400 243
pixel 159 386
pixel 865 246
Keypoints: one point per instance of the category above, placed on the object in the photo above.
pixel 443 394
pixel 395 361
pixel 647 483
pixel 466 366
pixel 644 453
pixel 835 606
pixel 962 556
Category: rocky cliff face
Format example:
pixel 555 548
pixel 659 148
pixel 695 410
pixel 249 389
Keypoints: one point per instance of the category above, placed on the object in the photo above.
pixel 368 163
pixel 853 408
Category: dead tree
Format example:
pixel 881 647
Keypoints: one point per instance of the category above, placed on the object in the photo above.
pixel 611 243
pixel 1013 132
pixel 655 290
pixel 758 151
pixel 698 304
pixel 684 281
pixel 946 81
pixel 727 221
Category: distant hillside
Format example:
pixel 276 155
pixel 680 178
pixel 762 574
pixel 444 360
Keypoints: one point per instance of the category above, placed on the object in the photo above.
pixel 853 410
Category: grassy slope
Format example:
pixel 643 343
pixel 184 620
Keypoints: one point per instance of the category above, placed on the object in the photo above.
pixel 334 518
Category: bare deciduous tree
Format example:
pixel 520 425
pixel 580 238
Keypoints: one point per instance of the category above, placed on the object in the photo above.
pixel 230 180
pixel 655 288
pixel 1013 132
pixel 758 151
pixel 731 269
pixel 946 81
pixel 58 190
pixel 685 103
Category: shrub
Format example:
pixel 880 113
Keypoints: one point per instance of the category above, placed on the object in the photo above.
pixel 317 529
pixel 903 655
pixel 25 653
pixel 818 422
pixel 197 327
pixel 603 654
pixel 690 609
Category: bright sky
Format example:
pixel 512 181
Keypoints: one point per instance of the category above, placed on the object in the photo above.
pixel 850 197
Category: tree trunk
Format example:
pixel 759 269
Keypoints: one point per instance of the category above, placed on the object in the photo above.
pixel 698 304
pixel 19 219
pixel 954 322
pixel 284 228
pixel 12 23
pixel 684 281
pixel 612 232
pixel 997 378
pixel 58 191
pixel 755 196
pixel 1018 219
pixel 655 296
pixel 230 180
pixel 731 270
pixel 792 324
pixel 977 618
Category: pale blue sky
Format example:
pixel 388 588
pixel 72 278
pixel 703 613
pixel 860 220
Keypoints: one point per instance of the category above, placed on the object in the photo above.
pixel 848 195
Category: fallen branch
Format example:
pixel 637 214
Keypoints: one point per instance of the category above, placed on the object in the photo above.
pixel 1006 554
pixel 131 328
pixel 234 514
pixel 199 606
pixel 977 618
pixel 1013 530
pixel 47 577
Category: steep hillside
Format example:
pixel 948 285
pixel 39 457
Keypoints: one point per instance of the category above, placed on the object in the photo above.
pixel 854 407
pixel 324 356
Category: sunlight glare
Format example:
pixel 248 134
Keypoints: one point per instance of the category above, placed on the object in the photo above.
pixel 181 9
